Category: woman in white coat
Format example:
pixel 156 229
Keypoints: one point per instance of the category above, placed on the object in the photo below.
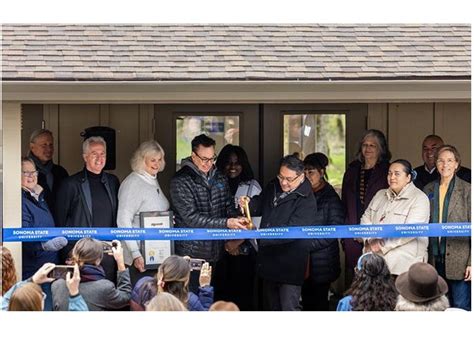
pixel 401 203
pixel 141 192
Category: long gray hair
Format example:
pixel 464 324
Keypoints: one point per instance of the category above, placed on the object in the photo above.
pixel 379 137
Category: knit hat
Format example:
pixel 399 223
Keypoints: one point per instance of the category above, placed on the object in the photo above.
pixel 421 283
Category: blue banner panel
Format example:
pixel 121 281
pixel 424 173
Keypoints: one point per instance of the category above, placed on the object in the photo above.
pixel 310 232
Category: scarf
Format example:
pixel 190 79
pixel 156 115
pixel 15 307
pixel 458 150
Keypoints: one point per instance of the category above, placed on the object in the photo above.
pixel 45 169
pixel 439 249
pixel 92 273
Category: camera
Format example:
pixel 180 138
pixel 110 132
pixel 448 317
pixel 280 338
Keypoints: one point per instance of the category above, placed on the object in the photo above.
pixel 60 271
pixel 196 264
pixel 107 248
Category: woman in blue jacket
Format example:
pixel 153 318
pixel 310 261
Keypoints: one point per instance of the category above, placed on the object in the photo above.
pixel 36 214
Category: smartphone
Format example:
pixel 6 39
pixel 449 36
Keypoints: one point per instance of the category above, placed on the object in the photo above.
pixel 60 271
pixel 196 264
pixel 107 248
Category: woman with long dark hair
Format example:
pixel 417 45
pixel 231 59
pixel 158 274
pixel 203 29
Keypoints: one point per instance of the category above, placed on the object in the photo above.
pixel 239 261
pixel 373 288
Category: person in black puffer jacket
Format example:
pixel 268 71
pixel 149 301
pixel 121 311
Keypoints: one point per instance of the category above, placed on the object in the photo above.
pixel 200 198
pixel 325 263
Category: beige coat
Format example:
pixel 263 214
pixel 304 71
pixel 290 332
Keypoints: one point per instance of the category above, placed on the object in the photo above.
pixel 458 250
pixel 411 205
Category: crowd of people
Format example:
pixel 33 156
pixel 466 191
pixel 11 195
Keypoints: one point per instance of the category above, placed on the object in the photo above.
pixel 210 191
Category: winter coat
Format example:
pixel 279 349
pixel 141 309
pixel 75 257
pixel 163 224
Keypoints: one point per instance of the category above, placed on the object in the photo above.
pixel 325 264
pixel 458 250
pixel 35 214
pixel 199 201
pixel 410 206
pixel 59 175
pixel 100 295
pixel 284 260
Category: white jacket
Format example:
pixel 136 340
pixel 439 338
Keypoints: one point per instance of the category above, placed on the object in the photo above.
pixel 411 205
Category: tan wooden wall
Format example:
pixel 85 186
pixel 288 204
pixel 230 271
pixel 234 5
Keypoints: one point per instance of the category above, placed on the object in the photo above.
pixel 407 124
pixel 133 124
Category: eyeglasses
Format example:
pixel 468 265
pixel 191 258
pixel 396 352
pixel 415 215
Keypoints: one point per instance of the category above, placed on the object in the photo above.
pixel 30 173
pixel 287 179
pixel 206 160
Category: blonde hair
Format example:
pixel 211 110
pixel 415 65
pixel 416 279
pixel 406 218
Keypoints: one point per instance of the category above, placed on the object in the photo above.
pixel 165 301
pixel 438 304
pixel 8 270
pixel 28 297
pixel 146 149
pixel 224 306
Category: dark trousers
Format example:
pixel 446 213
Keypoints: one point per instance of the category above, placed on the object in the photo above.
pixel 280 297
pixel 239 276
pixel 315 295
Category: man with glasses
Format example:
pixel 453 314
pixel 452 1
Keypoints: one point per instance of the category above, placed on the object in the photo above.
pixel 427 172
pixel 201 198
pixel 50 175
pixel 287 201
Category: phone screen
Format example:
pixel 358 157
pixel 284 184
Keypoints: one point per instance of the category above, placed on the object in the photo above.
pixel 60 271
pixel 196 264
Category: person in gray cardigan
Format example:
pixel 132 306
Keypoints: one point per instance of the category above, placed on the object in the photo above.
pixel 141 192
pixel 99 293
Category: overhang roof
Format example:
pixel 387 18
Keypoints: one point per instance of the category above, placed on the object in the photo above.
pixel 289 52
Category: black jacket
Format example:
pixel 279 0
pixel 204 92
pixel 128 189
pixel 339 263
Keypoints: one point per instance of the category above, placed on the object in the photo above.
pixel 284 260
pixel 325 264
pixel 74 200
pixel 199 202
pixel 59 175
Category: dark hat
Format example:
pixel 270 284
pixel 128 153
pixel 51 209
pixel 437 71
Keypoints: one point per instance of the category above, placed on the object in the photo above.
pixel 421 283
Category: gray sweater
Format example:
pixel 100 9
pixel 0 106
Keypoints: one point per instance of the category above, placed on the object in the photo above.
pixel 138 193
pixel 99 295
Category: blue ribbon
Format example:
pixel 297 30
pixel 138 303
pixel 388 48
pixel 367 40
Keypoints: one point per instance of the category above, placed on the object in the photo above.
pixel 310 232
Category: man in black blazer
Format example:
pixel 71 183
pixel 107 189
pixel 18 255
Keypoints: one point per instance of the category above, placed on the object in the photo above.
pixel 89 198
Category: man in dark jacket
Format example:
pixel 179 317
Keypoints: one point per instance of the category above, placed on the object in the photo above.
pixel 281 263
pixel 89 199
pixel 50 175
pixel 200 198
pixel 427 172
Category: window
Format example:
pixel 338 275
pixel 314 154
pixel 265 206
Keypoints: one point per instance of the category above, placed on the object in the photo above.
pixel 308 133
pixel 223 129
